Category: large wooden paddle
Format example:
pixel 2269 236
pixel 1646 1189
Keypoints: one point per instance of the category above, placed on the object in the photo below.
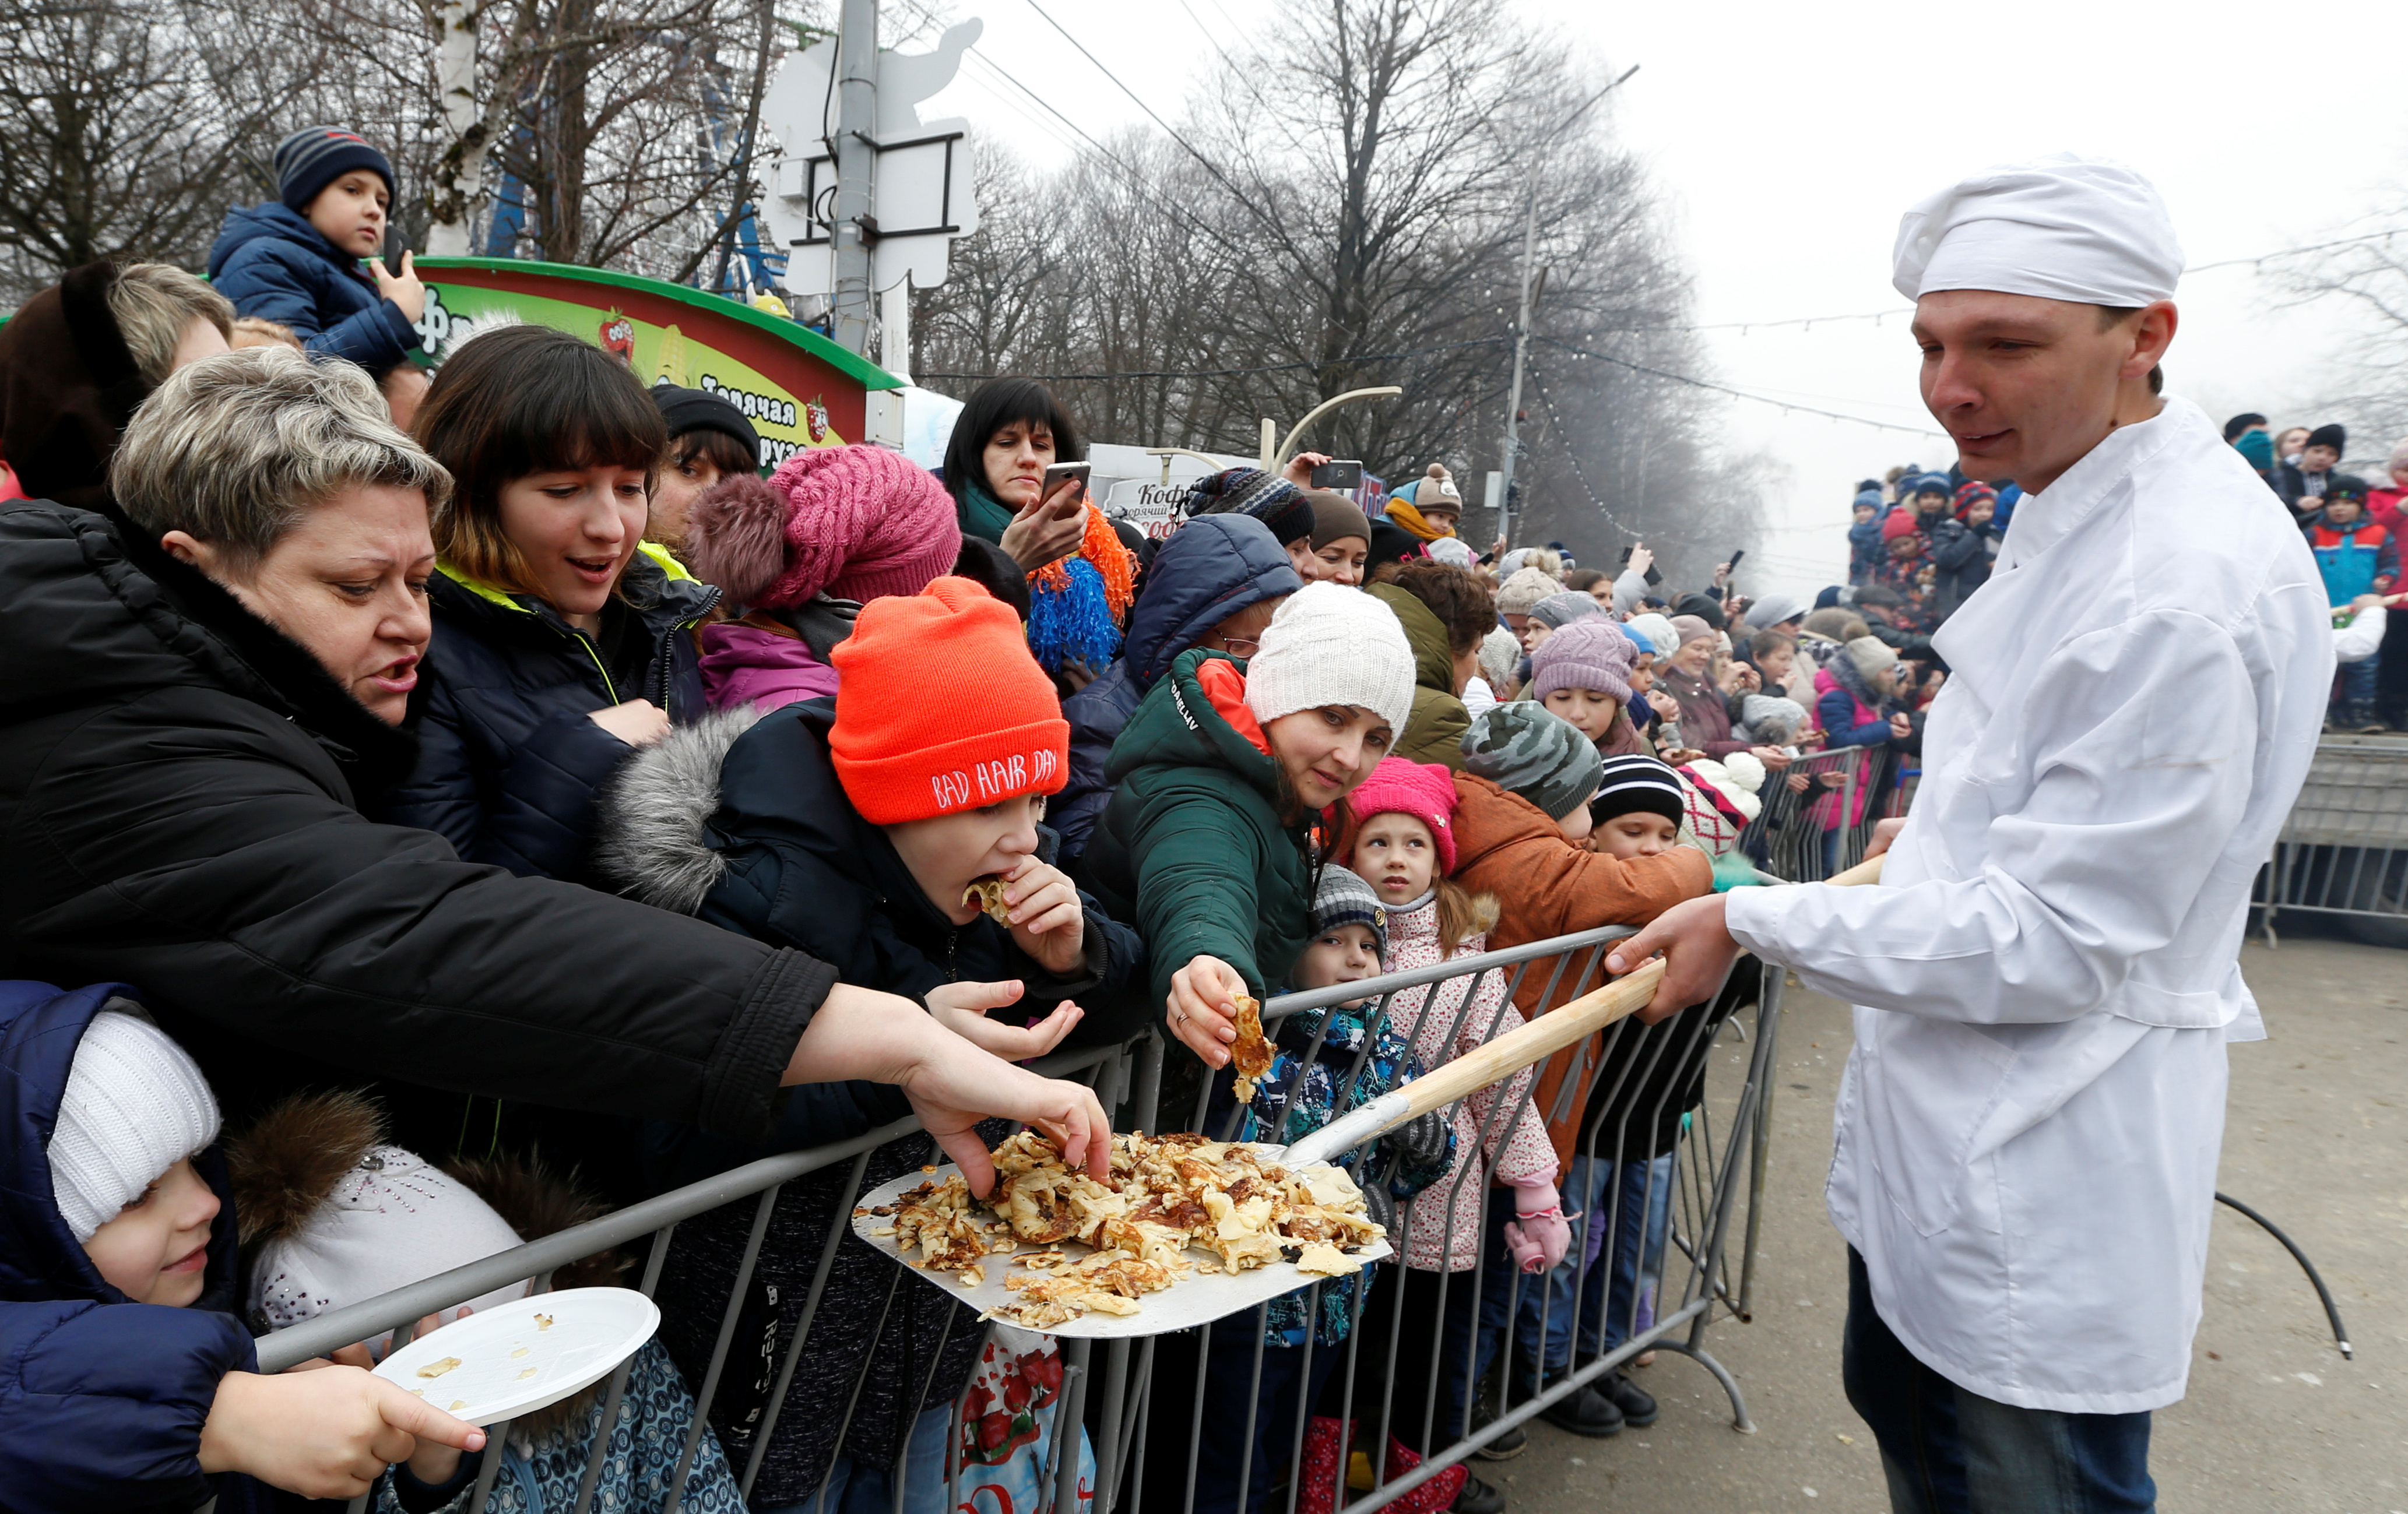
pixel 1508 1054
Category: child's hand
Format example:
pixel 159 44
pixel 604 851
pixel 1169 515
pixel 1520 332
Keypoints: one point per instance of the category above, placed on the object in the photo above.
pixel 434 1462
pixel 1797 783
pixel 327 1434
pixel 962 1007
pixel 1047 920
pixel 403 289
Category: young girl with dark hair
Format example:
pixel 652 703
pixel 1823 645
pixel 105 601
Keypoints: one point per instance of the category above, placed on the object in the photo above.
pixel 561 637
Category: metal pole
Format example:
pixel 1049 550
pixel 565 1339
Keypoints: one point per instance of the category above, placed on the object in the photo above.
pixel 1521 351
pixel 855 167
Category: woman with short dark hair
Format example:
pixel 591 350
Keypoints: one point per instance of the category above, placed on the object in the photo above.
pixel 561 637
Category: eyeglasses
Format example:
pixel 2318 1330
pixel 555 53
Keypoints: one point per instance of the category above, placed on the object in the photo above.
pixel 1240 645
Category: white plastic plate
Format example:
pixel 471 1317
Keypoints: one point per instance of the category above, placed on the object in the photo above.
pixel 1198 1298
pixel 511 1362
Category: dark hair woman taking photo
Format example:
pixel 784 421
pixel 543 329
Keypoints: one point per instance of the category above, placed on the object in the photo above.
pixel 561 637
pixel 1008 434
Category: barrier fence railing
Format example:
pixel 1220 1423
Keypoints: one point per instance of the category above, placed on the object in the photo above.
pixel 2343 849
pixel 1671 1140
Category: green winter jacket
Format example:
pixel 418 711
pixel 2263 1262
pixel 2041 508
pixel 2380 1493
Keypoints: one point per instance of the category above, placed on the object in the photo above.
pixel 1434 734
pixel 1191 849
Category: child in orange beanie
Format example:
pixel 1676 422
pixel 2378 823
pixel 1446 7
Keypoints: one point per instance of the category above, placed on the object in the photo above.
pixel 892 832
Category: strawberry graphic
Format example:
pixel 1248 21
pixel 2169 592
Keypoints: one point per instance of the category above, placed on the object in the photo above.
pixel 618 338
pixel 815 419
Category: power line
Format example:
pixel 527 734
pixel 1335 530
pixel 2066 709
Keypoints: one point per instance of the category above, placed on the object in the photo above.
pixel 1278 233
pixel 1736 394
pixel 1230 373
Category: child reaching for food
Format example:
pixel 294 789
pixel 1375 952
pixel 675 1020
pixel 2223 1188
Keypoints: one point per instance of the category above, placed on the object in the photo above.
pixel 131 1383
pixel 891 832
pixel 1401 841
pixel 1566 842
pixel 331 1215
pixel 1317 1051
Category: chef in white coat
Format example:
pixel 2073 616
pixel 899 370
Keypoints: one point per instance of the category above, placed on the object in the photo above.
pixel 2047 976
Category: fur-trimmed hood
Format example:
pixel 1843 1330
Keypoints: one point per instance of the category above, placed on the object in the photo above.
pixel 295 1159
pixel 653 837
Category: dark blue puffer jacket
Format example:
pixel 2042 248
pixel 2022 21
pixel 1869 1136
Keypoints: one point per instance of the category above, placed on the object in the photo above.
pixel 508 759
pixel 1209 569
pixel 101 1400
pixel 273 264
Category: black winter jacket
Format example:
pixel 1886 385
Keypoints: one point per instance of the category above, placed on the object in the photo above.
pixel 742 821
pixel 101 1399
pixel 509 757
pixel 178 808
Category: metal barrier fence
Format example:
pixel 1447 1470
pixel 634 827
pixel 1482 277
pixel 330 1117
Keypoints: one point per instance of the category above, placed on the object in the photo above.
pixel 2343 849
pixel 1675 1136
pixel 1809 834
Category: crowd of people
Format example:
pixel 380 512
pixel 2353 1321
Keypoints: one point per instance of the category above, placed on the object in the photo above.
pixel 485 789
pixel 1921 542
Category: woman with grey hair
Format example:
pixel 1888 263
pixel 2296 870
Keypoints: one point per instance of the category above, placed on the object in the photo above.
pixel 203 685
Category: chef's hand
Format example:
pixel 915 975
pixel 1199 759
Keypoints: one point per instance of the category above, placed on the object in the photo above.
pixel 1202 1009
pixel 1885 832
pixel 962 1009
pixel 1698 953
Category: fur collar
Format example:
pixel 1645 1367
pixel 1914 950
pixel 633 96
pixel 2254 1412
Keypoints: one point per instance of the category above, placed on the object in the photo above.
pixel 653 837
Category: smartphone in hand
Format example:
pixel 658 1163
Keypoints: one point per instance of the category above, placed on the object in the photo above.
pixel 1059 474
pixel 1341 474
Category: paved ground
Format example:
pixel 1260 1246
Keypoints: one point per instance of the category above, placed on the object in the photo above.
pixel 2317 1140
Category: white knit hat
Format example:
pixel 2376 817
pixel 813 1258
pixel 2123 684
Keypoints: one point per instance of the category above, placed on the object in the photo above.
pixel 394 1219
pixel 134 1106
pixel 1332 645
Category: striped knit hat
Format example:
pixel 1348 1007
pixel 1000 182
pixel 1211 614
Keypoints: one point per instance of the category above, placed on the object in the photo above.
pixel 1635 783
pixel 315 156
pixel 1341 898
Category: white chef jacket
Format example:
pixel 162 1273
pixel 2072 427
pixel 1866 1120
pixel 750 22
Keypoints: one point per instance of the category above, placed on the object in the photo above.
pixel 2046 976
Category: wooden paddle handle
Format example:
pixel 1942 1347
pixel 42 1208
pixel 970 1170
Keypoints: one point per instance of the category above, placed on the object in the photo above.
pixel 1508 1054
pixel 1867 872
pixel 1536 1041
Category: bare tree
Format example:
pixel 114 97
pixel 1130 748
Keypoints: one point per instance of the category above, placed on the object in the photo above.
pixel 2364 266
pixel 112 143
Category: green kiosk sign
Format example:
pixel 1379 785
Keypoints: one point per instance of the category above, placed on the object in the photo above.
pixel 797 387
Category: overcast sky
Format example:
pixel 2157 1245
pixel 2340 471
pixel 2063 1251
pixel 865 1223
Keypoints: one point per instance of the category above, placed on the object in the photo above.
pixel 1787 141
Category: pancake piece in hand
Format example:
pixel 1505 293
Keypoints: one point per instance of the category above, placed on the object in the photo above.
pixel 988 892
pixel 1252 1053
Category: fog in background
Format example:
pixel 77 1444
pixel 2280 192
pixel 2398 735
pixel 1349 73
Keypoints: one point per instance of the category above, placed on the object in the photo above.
pixel 1787 141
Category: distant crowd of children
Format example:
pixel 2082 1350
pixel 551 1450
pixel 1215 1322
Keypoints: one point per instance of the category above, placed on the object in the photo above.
pixel 1921 542
pixel 1293 747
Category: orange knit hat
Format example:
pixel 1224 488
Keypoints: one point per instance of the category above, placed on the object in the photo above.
pixel 940 707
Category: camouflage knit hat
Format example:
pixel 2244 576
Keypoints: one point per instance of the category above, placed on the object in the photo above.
pixel 1526 749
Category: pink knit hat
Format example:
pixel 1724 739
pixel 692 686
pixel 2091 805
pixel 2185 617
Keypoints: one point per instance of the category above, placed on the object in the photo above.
pixel 857 523
pixel 1425 791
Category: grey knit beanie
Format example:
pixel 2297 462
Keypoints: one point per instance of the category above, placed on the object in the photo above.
pixel 1558 611
pixel 1523 589
pixel 1528 749
pixel 1872 655
pixel 1585 655
pixel 134 1106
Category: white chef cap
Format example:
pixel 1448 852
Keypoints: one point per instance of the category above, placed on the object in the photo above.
pixel 2089 230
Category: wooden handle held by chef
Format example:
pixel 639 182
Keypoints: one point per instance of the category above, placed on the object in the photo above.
pixel 1508 1055
pixel 1866 872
